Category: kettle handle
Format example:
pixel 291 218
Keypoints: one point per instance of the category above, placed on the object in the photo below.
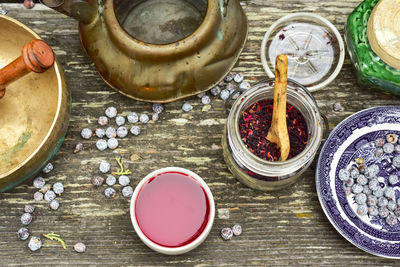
pixel 37 56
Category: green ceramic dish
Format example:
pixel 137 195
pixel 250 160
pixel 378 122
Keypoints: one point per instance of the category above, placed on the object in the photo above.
pixel 370 69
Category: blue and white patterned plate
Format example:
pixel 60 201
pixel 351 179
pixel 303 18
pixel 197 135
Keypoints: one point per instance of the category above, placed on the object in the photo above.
pixel 352 138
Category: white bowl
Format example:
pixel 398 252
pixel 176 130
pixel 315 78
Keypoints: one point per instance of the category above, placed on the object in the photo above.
pixel 194 243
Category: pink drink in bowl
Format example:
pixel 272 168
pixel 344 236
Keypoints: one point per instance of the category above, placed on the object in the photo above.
pixel 172 210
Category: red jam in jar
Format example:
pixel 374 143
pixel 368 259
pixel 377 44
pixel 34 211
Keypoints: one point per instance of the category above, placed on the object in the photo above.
pixel 254 124
pixel 172 209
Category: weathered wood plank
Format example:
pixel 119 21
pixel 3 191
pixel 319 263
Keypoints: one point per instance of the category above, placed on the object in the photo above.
pixel 274 231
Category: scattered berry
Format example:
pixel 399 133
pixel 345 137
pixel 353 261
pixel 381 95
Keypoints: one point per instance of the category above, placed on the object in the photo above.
pixel 111 112
pixel 49 167
pixel 101 144
pixel 392 205
pixel 237 229
pixel 100 132
pixel 54 204
pixel 349 183
pixel 154 117
pixel 109 192
pixel 86 133
pixel 120 120
pixel 215 90
pixel 371 171
pixel 361 198
pixel 26 218
pixel 111 132
pixel 366 190
pixel 393 179
pixel 362 180
pixel 382 202
pixel 206 100
pixel 80 247
pixel 374 184
pixel 39 182
pixel 392 138
pixel 122 132
pixel 391 220
pixel 97 181
pixel 396 162
pixel 187 107
pixel 245 85
pixel 373 211
pixel 135 130
pixel 78 148
pixel 388 148
pixel 201 95
pixel 224 95
pixel 362 210
pixel 29 208
pixel 38 196
pixel 238 77
pixel 378 152
pixel 357 188
pixel 45 188
pixel 103 121
pixel 111 180
pixel 144 118
pixel 229 77
pixel 124 180
pixel 337 107
pixel 112 143
pixel 104 167
pixel 158 108
pixel 35 243
pixel 23 233
pixel 226 234
pixel 230 88
pixel 29 4
pixel 390 193
pixel 58 188
pixel 133 117
pixel 397 148
pixel 127 191
pixel 49 196
pixel 379 142
pixel 372 200
pixel 206 108
pixel 378 192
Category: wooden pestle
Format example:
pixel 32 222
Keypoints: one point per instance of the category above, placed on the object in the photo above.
pixel 37 56
pixel 278 132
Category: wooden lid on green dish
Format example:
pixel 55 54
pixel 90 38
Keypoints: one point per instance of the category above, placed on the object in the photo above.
pixel 384 31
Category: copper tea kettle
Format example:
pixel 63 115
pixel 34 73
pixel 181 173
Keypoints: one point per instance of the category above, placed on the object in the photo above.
pixel 159 50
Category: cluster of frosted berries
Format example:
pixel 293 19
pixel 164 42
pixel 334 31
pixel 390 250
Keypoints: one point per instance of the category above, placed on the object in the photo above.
pixel 227 233
pixel 110 192
pixel 231 83
pixel 373 194
pixel 48 192
pixel 108 134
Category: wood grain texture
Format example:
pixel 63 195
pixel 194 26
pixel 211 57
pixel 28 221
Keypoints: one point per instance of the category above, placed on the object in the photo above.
pixel 280 228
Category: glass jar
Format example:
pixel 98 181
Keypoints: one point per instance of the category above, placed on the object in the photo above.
pixel 371 70
pixel 258 173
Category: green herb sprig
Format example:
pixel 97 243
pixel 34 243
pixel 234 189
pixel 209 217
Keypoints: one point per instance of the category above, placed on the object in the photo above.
pixel 56 237
pixel 121 170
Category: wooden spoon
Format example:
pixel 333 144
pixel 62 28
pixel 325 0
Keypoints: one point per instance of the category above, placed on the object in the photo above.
pixel 278 132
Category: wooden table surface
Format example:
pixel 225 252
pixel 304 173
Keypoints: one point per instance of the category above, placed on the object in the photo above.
pixel 280 228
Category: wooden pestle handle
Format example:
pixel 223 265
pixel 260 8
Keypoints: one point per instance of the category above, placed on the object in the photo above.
pixel 37 56
pixel 278 132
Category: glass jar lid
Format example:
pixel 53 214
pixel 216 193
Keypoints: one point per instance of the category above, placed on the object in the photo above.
pixel 314 47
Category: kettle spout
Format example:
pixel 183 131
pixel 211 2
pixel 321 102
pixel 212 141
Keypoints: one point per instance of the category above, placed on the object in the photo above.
pixel 81 10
